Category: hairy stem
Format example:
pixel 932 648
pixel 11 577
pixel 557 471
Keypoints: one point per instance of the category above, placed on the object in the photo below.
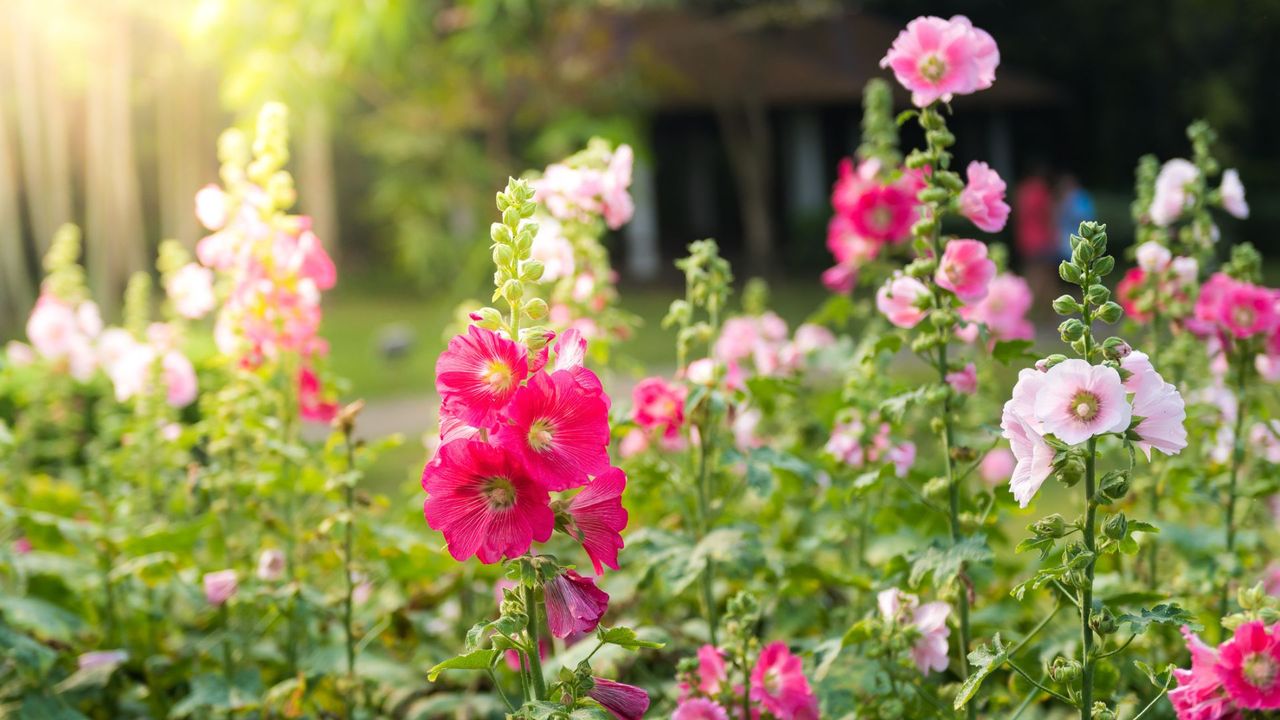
pixel 1237 460
pixel 1086 592
pixel 539 689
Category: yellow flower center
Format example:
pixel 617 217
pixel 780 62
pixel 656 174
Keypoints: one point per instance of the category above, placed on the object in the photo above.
pixel 497 375
pixel 932 68
pixel 1260 670
pixel 540 435
pixel 1085 405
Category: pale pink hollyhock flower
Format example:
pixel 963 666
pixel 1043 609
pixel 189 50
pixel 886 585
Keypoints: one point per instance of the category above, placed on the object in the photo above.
pixel 965 269
pixel 1266 437
pixel 19 354
pixel 1158 403
pixel 699 709
pixel 171 431
pixel 181 385
pixel 1152 256
pixel 779 685
pixel 1249 666
pixel 997 466
pixel 1171 196
pixel 1232 191
pixel 597 518
pixel 101 658
pixel 1080 401
pixel 82 360
pixel 936 59
pixel 131 373
pixel 559 430
pixel 902 456
pixel 219 586
pixel 618 205
pixel 1186 270
pixel 211 207
pixel 219 251
pixel 964 380
pixel 271 565
pixel 738 338
pixel 89 318
pixel 625 702
pixel 840 278
pixel 1268 367
pixel 1003 310
pixel 982 200
pixel 744 429
pixel 1025 433
pixel 633 443
pixel 553 250
pixel 901 299
pixel 701 372
pixel 191 290
pixel 845 443
pixel 362 590
pixel 930 620
pixel 52 328
pixel 811 338
pixel 1200 694
pixel 574 604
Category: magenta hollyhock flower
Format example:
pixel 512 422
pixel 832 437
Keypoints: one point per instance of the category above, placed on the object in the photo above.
pixel 936 59
pixel 1158 403
pixel 1232 191
pixel 1200 695
pixel 1079 401
pixel 1248 310
pixel 658 405
pixel 964 380
pixel 598 518
pixel 997 466
pixel 901 300
pixel 1153 257
pixel 219 586
pixel 1127 291
pixel 1171 196
pixel 312 405
pixel 699 709
pixel 574 604
pixel 1249 666
pixel 559 431
pixel 779 685
pixel 982 200
pixel 883 213
pixel 626 702
pixel 481 370
pixel 484 502
pixel 712 674
pixel 965 269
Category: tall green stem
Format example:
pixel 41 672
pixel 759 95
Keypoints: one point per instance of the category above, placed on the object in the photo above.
pixel 706 437
pixel 953 501
pixel 348 604
pixel 1086 592
pixel 1237 460
pixel 1153 549
pixel 539 689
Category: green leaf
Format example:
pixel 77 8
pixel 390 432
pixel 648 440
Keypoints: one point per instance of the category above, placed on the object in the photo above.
pixel 1162 614
pixel 888 343
pixel 894 408
pixel 945 561
pixel 857 633
pixel 1043 543
pixel 475 660
pixel 43 707
pixel 985 661
pixel 40 618
pixel 625 637
pixel 592 712
pixel 1007 352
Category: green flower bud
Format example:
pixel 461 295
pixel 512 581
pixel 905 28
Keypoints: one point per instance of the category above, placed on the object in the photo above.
pixel 1114 348
pixel 511 217
pixel 1103 266
pixel 500 234
pixel 531 270
pixel 1097 295
pixel 1251 598
pixel 535 338
pixel 503 255
pixel 488 318
pixel 1053 526
pixel 536 309
pixel 1102 712
pixel 1071 471
pixel 1066 305
pixel 940 138
pixel 1110 312
pixel 1064 671
pixel 1069 272
pixel 917 159
pixel 512 291
pixel 1104 622
pixel 1116 527
pixel 1071 330
pixel 1083 254
pixel 934 195
pixel 1077 556
pixel 948 179
pixel 1114 486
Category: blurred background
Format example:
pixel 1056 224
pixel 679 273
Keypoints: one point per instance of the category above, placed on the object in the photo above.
pixel 407 115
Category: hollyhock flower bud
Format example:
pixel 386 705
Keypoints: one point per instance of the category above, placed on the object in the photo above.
pixel 779 685
pixel 982 200
pixel 964 380
pixel 1153 257
pixel 965 269
pixel 598 518
pixel 1079 401
pixel 219 586
pixel 271 565
pixel 626 702
pixel 574 604
pixel 1232 191
pixel 901 300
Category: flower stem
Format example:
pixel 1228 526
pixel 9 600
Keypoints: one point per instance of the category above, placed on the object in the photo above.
pixel 228 669
pixel 1086 592
pixel 1237 460
pixel 1153 548
pixel 348 604
pixel 539 689
pixel 706 439
pixel 953 500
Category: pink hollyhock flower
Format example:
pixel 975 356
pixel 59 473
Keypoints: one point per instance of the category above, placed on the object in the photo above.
pixel 658 405
pixel 312 405
pixel 1025 433
pixel 571 353
pixel 1271 579
pixel 744 429
pixel 713 673
pixel 574 604
pixel 936 59
pixel 633 443
pixel 1210 303
pixel 845 443
pixel 902 456
pixel 997 466
pixel 101 658
pixel 52 328
pixel 598 518
pixel 738 338
pixel 1200 695
pixel 851 181
pixel 1249 666
pixel 22 546
pixel 1171 196
pixel 89 318
pixel 485 503
pixel 1232 191
pixel 930 651
pixel 982 200
pixel 559 431
pixel 19 354
pixel 840 278
pixel 181 385
pixel 481 370
pixel 964 380
pixel 1248 310
pixel 901 300
pixel 625 702
pixel 306 258
pixel 965 269
pixel 1159 404
pixel 779 685
pixel 1153 257
pixel 191 290
pixel 618 206
pixel 219 251
pixel 882 214
pixel 211 207
pixel 810 338
pixel 699 709
pixel 1079 401
pixel 553 250
pixel 1003 310
pixel 1185 269
pixel 219 586
pixel 1127 291
pixel 271 565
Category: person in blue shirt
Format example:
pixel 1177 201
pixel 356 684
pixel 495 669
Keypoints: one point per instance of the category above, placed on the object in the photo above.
pixel 1075 205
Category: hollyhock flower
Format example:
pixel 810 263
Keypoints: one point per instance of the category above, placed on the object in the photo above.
pixel 482 370
pixel 658 404
pixel 902 456
pixel 22 546
pixel 271 565
pixel 930 651
pixel 1271 579
pixel 598 518
pixel 1128 290
pixel 1200 695
pixel 571 352
pixel 553 250
pixel 559 431
pixel 810 338
pixel 1158 403
pixel 900 300
pixel 52 327
pixel 1185 269
pixel 997 466
pixel 851 181
pixel 1003 310
pixel 699 709
pixel 483 500
pixel 101 658
pixel 1211 303
pixel 1153 257
pixel 936 59
pixel 1266 438
pixel 840 278
pixel 1232 191
pixel 965 269
pixel 219 251
pixel 574 604
pixel 1079 401
pixel 625 702
pixel 618 205
pixel 701 372
pixel 1171 196
pixel 744 429
pixel 19 354
pixel 219 586
pixel 738 338
pixel 845 443
pixel 191 290
pixel 982 200
pixel 779 685
pixel 882 214
pixel 1248 310
pixel 964 380
pixel 306 258
pixel 1249 666
pixel 211 207
pixel 713 673
pixel 633 443
pixel 181 385
pixel 1025 433
pixel 312 405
